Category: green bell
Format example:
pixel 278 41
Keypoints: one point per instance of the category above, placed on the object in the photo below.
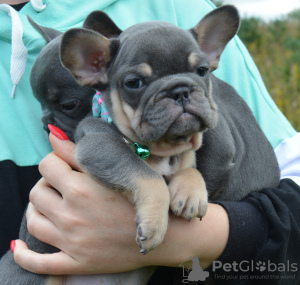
pixel 141 150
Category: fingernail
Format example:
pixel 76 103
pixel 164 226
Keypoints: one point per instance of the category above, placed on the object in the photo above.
pixel 12 245
pixel 58 133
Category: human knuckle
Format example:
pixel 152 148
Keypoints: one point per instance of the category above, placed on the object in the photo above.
pixel 31 226
pixel 46 163
pixel 43 163
pixel 78 191
pixel 33 194
pixel 74 221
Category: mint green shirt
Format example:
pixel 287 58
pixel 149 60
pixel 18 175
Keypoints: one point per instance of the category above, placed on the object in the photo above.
pixel 22 138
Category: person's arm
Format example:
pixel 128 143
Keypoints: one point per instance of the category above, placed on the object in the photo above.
pixel 95 226
pixel 101 240
pixel 270 219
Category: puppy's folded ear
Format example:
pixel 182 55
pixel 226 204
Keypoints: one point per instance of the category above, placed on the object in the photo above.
pixel 47 33
pixel 215 30
pixel 88 55
pixel 101 23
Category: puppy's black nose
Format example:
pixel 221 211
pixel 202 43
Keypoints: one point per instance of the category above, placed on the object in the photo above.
pixel 181 95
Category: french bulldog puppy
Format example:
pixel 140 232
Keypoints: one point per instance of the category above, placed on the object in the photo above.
pixel 158 88
pixel 64 102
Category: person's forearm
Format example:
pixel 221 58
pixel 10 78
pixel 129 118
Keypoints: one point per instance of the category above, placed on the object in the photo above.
pixel 184 240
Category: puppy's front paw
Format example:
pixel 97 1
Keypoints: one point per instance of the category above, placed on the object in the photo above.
pixel 151 231
pixel 188 194
pixel 152 207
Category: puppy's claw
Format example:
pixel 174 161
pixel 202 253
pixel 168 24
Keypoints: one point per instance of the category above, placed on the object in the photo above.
pixel 143 251
pixel 143 238
pixel 200 217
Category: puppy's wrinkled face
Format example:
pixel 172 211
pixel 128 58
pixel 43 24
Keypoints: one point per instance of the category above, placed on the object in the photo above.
pixel 154 76
pixel 161 93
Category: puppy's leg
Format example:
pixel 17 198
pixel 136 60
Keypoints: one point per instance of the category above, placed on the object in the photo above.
pixel 152 202
pixel 102 152
pixel 188 194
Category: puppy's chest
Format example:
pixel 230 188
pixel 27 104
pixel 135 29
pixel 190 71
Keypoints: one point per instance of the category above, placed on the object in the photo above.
pixel 165 166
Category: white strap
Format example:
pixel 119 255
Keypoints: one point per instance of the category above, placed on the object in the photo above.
pixel 38 5
pixel 19 51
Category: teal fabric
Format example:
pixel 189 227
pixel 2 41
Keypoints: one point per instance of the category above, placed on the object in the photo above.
pixel 22 138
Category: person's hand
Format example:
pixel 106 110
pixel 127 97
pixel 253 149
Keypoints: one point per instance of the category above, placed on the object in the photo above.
pixel 85 221
pixel 95 229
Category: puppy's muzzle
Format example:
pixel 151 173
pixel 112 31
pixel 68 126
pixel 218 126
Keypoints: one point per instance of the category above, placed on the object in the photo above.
pixel 181 95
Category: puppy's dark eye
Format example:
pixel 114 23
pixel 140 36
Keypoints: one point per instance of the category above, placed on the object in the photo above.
pixel 134 83
pixel 69 106
pixel 202 71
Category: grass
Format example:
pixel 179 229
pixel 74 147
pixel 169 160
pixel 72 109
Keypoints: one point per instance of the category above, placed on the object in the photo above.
pixel 275 48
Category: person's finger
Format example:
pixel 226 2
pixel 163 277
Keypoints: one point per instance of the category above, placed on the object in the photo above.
pixel 65 150
pixel 44 197
pixel 41 227
pixel 51 264
pixel 58 173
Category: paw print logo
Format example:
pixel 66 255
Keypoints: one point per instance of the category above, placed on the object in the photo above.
pixel 261 266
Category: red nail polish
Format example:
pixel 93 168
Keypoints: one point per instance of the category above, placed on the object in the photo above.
pixel 12 245
pixel 58 133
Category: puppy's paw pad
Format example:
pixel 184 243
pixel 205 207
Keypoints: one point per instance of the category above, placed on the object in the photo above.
pixel 189 205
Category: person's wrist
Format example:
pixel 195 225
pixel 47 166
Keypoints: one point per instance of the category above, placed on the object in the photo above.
pixel 184 240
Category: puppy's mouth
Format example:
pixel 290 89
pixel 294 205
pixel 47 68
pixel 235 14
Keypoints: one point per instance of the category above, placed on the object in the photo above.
pixel 175 125
pixel 184 134
pixel 183 128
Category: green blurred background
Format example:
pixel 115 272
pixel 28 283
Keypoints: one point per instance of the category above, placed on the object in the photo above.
pixel 275 48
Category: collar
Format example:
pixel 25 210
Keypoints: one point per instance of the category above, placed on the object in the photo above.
pixel 100 111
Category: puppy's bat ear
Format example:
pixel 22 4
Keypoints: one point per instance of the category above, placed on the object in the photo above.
pixel 87 54
pixel 47 33
pixel 102 23
pixel 215 30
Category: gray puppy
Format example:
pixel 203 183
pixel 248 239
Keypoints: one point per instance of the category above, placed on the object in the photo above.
pixel 64 102
pixel 158 88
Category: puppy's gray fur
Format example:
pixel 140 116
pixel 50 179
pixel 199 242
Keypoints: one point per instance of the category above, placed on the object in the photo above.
pixel 158 87
pixel 64 103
